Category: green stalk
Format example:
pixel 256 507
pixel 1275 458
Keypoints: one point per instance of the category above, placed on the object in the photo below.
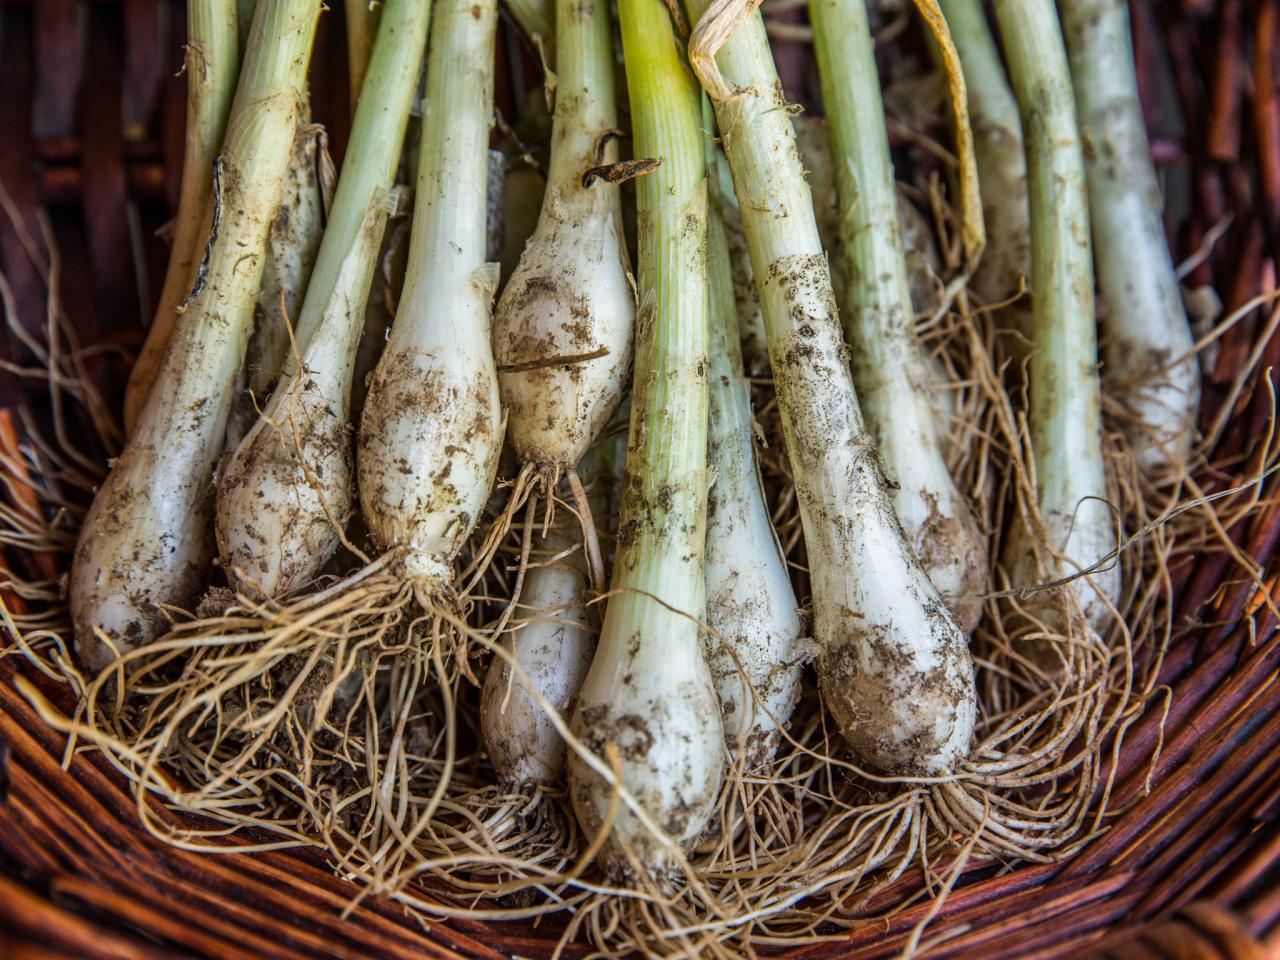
pixel 212 66
pixel 1143 315
pixel 1065 400
pixel 889 368
pixel 666 507
pixel 453 168
pixel 584 106
pixel 148 538
pixel 649 666
pixel 1002 164
pixel 373 151
pixel 894 667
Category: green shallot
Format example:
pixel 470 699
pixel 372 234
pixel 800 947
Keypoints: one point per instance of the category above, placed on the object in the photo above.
pixel 287 492
pixel 648 706
pixel 1075 529
pixel 212 66
pixel 431 429
pixel 888 366
pixel 563 327
pixel 553 646
pixel 1150 365
pixel 147 542
pixel 894 667
pixel 757 640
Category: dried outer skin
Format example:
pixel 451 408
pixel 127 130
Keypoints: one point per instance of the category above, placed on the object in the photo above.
pixel 431 430
pixel 147 541
pixel 1142 311
pixel 895 669
pixel 571 295
pixel 1002 164
pixel 287 492
pixel 554 649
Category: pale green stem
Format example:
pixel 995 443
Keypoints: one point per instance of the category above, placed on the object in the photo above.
pixel 584 92
pixel 889 370
pixel 880 623
pixel 449 243
pixel 373 152
pixel 650 657
pixel 1142 313
pixel 664 514
pixel 431 430
pixel 212 66
pixel 750 601
pixel 876 311
pixel 259 138
pixel 148 538
pixel 1065 403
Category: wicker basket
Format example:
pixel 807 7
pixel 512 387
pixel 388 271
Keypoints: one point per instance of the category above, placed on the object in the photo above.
pixel 92 115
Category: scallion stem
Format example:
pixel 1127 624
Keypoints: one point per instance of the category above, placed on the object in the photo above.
pixel 649 683
pixel 1065 400
pixel 1141 306
pixel 431 429
pixel 758 647
pixel 894 666
pixel 288 489
pixel 212 66
pixel 571 297
pixel 148 538
pixel 888 366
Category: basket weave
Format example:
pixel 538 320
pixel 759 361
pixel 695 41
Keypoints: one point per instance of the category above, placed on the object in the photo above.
pixel 92 119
